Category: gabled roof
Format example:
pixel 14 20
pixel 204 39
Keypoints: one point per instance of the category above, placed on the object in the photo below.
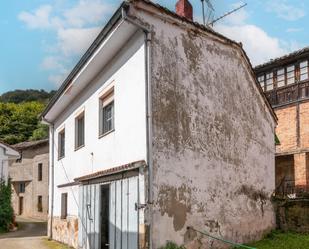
pixel 283 59
pixel 116 17
pixel 9 149
pixel 30 144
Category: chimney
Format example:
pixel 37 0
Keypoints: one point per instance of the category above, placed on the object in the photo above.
pixel 184 9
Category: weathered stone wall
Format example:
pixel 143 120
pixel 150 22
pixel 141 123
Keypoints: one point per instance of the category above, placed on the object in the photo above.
pixel 26 170
pixel 65 230
pixel 293 215
pixel 213 139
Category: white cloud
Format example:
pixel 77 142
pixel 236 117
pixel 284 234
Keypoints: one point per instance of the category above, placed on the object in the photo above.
pixel 76 40
pixel 40 18
pixel 284 10
pixel 258 44
pixel 86 12
pixel 294 30
pixel 75 28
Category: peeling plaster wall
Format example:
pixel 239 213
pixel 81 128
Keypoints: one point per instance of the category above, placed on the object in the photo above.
pixel 213 139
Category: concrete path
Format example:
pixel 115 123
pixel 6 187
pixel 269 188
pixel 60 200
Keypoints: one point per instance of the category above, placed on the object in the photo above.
pixel 29 235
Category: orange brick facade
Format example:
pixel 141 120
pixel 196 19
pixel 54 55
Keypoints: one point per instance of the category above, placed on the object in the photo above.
pixel 293 133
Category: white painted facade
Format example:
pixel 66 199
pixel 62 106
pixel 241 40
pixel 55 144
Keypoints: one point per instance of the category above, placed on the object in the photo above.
pixel 7 154
pixel 197 80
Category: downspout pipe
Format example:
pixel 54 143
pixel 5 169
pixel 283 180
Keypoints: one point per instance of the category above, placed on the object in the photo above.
pixel 148 98
pixel 51 126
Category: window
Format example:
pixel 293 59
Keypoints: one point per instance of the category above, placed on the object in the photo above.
pixel 80 131
pixel 64 205
pixel 290 71
pixel 269 81
pixel 280 77
pixel 40 204
pixel 107 113
pixel 22 187
pixel 261 80
pixel 303 70
pixel 40 172
pixel 61 144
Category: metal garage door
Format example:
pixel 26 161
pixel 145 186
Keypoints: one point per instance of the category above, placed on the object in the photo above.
pixel 123 216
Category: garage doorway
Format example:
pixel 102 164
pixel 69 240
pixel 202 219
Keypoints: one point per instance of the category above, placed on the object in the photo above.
pixel 104 216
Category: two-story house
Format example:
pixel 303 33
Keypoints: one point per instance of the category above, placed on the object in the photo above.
pixel 161 126
pixel 285 81
pixel 7 155
pixel 29 177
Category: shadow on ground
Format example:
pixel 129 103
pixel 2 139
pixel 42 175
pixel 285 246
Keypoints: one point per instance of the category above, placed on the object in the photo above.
pixel 27 228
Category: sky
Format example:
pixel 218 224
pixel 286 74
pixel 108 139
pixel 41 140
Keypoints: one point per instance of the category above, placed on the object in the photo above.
pixel 42 40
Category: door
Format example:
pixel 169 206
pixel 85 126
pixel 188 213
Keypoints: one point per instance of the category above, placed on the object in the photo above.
pixel 21 205
pixel 104 217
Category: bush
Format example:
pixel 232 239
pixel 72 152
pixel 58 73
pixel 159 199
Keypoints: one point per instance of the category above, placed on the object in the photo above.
pixel 172 245
pixel 6 210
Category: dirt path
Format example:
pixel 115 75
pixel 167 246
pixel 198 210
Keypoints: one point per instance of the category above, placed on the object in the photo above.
pixel 29 236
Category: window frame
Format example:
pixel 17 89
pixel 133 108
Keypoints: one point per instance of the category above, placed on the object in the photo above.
pixel 21 190
pixel 61 144
pixel 105 101
pixel 306 67
pixel 278 75
pixel 271 78
pixel 40 203
pixel 64 206
pixel 79 144
pixel 294 74
pixel 40 172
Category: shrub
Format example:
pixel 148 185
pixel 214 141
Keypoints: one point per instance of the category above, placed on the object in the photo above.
pixel 172 245
pixel 6 210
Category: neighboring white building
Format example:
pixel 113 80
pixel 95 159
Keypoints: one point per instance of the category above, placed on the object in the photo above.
pixel 7 154
pixel 160 126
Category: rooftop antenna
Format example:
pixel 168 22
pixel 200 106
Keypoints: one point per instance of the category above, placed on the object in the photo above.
pixel 208 16
pixel 226 14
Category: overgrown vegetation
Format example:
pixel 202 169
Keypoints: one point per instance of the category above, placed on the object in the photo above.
pixel 20 96
pixel 172 245
pixel 20 122
pixel 6 210
pixel 282 240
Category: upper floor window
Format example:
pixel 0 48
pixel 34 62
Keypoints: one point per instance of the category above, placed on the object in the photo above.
pixel 80 130
pixel 61 144
pixel 22 187
pixel 290 71
pixel 40 203
pixel 280 77
pixel 269 81
pixel 107 112
pixel 40 172
pixel 303 68
pixel 261 80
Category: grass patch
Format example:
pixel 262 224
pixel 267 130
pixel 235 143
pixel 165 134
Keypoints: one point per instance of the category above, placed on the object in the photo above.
pixel 282 240
pixel 55 245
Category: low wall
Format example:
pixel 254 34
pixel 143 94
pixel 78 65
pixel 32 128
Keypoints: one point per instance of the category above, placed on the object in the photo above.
pixel 293 215
pixel 65 230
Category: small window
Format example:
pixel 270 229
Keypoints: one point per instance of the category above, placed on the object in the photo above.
pixel 22 187
pixel 269 81
pixel 261 80
pixel 64 205
pixel 80 131
pixel 303 70
pixel 290 71
pixel 61 144
pixel 107 118
pixel 40 204
pixel 40 172
pixel 280 77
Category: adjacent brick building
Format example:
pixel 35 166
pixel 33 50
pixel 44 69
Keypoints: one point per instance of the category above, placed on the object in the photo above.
pixel 29 177
pixel 285 82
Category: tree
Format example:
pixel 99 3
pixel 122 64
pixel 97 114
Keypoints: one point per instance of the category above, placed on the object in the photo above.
pixel 19 121
pixel 40 133
pixel 6 210
pixel 20 96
